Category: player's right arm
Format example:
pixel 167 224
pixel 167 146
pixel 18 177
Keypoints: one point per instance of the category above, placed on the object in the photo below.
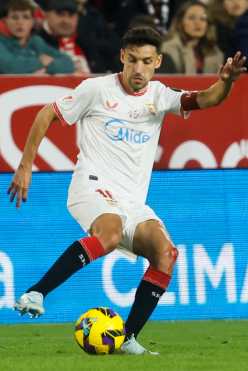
pixel 18 188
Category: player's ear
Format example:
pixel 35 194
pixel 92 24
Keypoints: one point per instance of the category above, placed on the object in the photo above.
pixel 122 54
pixel 158 61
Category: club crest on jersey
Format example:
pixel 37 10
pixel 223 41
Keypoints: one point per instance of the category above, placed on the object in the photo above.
pixel 111 105
pixel 151 108
pixel 118 130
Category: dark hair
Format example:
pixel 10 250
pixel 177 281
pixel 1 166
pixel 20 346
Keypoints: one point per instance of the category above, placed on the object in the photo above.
pixel 208 42
pixel 141 36
pixel 20 5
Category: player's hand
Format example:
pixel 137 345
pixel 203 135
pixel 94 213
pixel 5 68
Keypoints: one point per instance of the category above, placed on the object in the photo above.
pixel 233 68
pixel 18 188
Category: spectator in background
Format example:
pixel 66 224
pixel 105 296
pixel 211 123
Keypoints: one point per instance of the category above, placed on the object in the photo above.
pixel 3 28
pixel 160 10
pixel 99 41
pixel 2 8
pixel 23 53
pixel 41 3
pixel 59 29
pixel 163 11
pixel 119 12
pixel 225 14
pixel 240 35
pixel 191 41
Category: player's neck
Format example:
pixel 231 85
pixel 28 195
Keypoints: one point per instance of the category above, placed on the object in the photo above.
pixel 127 88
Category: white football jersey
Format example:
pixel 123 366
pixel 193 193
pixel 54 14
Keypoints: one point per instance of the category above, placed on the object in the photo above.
pixel 119 132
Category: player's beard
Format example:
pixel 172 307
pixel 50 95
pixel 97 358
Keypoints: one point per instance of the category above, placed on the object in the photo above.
pixel 137 83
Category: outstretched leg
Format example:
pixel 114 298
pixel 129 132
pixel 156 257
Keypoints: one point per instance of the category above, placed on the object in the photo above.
pixel 106 233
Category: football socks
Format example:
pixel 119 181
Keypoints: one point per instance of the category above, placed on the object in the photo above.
pixel 148 293
pixel 79 254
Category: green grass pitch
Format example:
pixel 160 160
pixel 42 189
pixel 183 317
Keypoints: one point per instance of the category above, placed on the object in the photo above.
pixel 183 346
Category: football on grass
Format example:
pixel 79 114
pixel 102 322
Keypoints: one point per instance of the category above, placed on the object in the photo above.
pixel 100 331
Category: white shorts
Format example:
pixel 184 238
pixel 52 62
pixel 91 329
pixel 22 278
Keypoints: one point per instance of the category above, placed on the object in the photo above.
pixel 85 205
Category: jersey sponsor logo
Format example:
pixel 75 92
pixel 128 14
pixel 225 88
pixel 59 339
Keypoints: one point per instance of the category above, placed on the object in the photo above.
pixel 117 130
pixel 111 105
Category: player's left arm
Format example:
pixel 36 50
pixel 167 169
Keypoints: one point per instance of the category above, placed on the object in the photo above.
pixel 217 92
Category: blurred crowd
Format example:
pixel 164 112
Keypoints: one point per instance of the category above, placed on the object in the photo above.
pixel 47 37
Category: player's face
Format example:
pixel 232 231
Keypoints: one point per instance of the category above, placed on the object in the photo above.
pixel 20 23
pixel 139 64
pixel 195 22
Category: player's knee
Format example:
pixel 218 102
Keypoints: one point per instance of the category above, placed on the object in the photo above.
pixel 174 254
pixel 171 258
pixel 168 259
pixel 114 239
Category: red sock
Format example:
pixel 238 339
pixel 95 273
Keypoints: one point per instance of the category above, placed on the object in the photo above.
pixel 150 289
pixel 93 247
pixel 75 257
pixel 157 278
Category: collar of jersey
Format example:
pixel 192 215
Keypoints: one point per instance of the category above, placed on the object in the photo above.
pixel 129 92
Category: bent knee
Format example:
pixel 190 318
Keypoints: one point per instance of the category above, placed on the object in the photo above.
pixel 171 257
pixel 173 253
pixel 108 229
pixel 114 239
pixel 168 259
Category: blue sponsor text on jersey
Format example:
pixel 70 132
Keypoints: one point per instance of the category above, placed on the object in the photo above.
pixel 117 130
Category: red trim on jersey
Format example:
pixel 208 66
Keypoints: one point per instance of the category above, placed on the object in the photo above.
pixel 189 101
pixel 157 278
pixel 102 193
pixel 129 91
pixel 61 118
pixel 109 194
pixel 92 247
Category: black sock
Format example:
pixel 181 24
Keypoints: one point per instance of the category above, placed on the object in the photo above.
pixel 73 259
pixel 146 300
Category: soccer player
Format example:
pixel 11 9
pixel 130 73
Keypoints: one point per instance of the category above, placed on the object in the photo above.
pixel 120 118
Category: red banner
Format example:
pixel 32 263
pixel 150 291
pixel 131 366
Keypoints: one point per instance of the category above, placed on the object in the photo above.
pixel 213 138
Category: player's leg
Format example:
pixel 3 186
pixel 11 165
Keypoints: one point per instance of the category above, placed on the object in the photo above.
pixel 152 242
pixel 105 235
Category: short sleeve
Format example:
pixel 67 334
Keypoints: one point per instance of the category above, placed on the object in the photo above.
pixel 170 100
pixel 73 107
